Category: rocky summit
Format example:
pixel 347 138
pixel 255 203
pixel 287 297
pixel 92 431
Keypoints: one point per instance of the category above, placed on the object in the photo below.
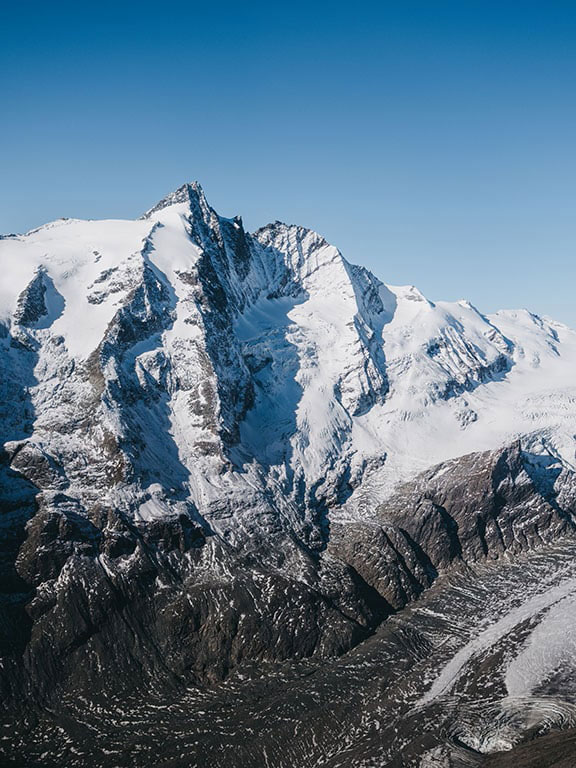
pixel 259 508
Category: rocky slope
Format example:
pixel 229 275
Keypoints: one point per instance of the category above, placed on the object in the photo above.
pixel 221 448
pixel 461 678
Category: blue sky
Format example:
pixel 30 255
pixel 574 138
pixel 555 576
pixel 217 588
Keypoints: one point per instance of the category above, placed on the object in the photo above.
pixel 433 142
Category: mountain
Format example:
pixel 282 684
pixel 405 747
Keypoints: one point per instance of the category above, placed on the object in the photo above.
pixel 222 449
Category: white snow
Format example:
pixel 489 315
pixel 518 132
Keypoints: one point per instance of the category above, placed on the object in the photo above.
pixel 544 653
pixel 74 254
pixel 536 396
pixel 551 648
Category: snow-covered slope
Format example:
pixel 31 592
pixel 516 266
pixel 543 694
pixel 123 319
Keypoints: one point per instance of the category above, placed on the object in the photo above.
pixel 461 382
pixel 177 364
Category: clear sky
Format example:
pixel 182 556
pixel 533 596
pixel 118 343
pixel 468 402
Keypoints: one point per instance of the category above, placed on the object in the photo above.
pixel 433 142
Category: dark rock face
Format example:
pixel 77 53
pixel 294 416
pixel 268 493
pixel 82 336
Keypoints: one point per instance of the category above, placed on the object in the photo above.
pixel 472 508
pixel 362 709
pixel 103 606
pixel 555 750
pixel 115 606
pixel 31 304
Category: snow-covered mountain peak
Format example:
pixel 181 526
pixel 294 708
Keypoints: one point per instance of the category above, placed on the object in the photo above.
pixel 303 251
pixel 412 294
pixel 290 236
pixel 190 195
pixel 188 363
